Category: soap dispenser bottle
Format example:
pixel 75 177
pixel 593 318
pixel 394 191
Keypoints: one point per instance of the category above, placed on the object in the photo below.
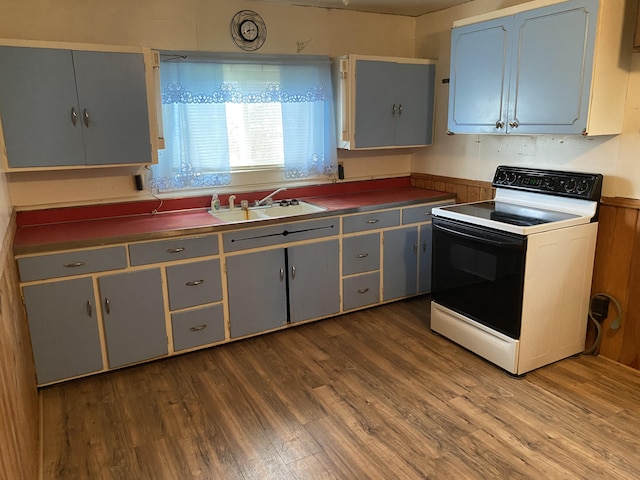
pixel 215 203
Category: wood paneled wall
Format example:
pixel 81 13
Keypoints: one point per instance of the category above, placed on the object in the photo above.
pixel 19 411
pixel 616 269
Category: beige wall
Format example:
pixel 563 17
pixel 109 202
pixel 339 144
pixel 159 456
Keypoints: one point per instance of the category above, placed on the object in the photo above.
pixel 194 25
pixel 476 156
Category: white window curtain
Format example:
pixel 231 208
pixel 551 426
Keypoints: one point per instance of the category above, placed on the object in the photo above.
pixel 223 112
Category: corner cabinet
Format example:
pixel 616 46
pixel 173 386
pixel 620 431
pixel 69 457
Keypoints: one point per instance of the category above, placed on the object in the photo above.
pixel 537 70
pixel 69 108
pixel 384 102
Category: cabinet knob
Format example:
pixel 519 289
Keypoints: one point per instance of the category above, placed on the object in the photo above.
pixel 499 124
pixel 513 124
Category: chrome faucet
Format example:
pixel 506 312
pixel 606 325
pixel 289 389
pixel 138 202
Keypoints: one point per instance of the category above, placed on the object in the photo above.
pixel 268 197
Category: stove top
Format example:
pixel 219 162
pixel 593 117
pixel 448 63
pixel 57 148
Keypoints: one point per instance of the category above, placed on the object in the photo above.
pixel 531 201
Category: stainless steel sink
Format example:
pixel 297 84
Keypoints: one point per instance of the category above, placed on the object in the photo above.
pixel 265 212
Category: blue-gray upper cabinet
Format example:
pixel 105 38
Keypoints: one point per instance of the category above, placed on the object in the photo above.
pixel 536 71
pixel 384 102
pixel 63 108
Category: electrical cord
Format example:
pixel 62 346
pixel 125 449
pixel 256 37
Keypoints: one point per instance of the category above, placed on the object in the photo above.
pixel 615 324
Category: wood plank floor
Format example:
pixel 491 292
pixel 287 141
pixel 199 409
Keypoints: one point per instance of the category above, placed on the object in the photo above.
pixel 369 395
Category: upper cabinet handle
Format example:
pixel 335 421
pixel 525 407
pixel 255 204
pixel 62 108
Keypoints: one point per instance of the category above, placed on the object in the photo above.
pixel 513 124
pixel 74 116
pixel 499 124
pixel 85 115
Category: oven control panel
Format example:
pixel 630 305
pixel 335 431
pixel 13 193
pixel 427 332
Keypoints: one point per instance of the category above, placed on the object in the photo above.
pixel 587 186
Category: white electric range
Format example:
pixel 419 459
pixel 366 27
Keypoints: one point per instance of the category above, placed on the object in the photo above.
pixel 511 277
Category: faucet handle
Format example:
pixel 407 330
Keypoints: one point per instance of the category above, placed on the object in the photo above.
pixel 244 204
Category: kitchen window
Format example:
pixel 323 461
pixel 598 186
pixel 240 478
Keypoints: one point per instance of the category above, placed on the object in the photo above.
pixel 225 114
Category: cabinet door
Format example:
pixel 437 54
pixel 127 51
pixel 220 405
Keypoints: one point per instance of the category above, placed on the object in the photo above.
pixel 257 292
pixel 375 116
pixel 400 263
pixel 479 76
pixel 314 280
pixel 37 98
pixel 133 315
pixel 415 88
pixel 64 329
pixel 424 259
pixel 551 76
pixel 113 100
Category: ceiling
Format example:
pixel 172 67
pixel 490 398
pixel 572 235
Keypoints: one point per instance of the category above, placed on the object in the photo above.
pixel 411 8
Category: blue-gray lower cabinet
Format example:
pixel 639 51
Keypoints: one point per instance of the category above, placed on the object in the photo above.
pixel 314 280
pixel 400 263
pixel 271 288
pixel 257 290
pixel 63 323
pixel 407 261
pixel 133 316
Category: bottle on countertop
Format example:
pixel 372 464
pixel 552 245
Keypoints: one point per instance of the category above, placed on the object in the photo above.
pixel 215 203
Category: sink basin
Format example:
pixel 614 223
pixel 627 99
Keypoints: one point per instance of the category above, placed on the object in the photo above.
pixel 265 212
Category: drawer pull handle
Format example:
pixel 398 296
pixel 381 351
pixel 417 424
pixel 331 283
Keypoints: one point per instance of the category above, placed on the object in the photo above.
pixel 175 250
pixel 89 308
pixel 363 290
pixel 107 305
pixel 373 220
pixel 198 328
pixel 362 255
pixel 194 283
pixel 74 265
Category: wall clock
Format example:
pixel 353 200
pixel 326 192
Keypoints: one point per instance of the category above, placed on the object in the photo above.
pixel 248 30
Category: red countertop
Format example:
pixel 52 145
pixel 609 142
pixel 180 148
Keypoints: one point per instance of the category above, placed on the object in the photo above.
pixel 79 227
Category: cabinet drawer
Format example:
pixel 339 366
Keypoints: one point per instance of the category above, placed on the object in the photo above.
pixel 194 284
pixel 421 213
pixel 72 263
pixel 370 221
pixel 361 290
pixel 360 253
pixel 197 327
pixel 173 249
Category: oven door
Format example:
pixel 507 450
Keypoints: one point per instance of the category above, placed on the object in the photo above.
pixel 479 273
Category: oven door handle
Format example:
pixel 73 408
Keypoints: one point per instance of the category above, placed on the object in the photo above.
pixel 508 243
